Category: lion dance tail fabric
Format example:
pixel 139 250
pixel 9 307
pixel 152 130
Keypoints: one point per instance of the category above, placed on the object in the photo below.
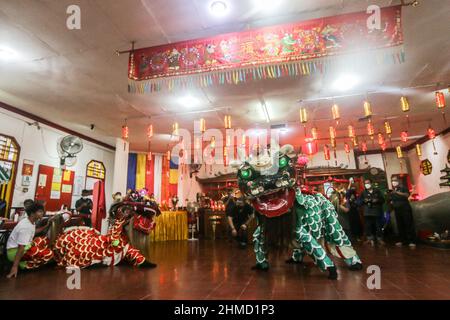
pixel 36 254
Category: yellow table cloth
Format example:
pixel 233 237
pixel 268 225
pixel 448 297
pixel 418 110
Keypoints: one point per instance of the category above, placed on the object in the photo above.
pixel 170 225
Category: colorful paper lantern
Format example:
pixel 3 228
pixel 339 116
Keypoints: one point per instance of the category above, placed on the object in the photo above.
pixel 335 112
pixel 387 128
pixel 440 100
pixel 303 115
pixel 314 133
pixel 404 136
pixel 405 104
pixel 351 131
pixel 326 152
pixel 418 150
pixel 125 132
pixel 175 129
pixel 332 131
pixel 367 109
pixel 399 152
pixel 202 125
pixel 370 129
pixel 227 122
pixel 150 131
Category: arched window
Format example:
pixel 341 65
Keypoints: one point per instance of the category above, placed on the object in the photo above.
pixel 9 155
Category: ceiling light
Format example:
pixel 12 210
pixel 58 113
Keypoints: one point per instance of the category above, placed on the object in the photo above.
pixel 188 101
pixel 7 54
pixel 345 82
pixel 266 4
pixel 218 8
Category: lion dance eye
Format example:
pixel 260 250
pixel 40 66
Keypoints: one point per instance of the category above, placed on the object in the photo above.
pixel 283 162
pixel 246 173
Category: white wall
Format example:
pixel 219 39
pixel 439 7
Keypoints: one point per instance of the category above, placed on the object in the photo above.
pixel 427 186
pixel 40 147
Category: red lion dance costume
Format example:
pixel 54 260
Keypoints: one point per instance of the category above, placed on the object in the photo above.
pixel 83 247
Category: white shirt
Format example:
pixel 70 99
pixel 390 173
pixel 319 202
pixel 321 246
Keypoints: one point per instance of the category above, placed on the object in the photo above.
pixel 22 234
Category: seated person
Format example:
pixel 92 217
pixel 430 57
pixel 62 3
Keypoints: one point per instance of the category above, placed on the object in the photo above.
pixel 84 207
pixel 21 249
pixel 239 214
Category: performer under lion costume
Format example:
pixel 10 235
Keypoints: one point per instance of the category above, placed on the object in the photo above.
pixel 83 246
pixel 288 216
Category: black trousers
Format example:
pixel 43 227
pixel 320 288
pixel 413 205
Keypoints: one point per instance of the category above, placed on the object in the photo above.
pixel 405 224
pixel 355 223
pixel 242 235
pixel 373 227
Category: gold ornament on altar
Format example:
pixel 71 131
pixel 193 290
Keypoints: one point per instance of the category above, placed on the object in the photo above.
pixel 387 128
pixel 367 109
pixel 303 115
pixel 227 122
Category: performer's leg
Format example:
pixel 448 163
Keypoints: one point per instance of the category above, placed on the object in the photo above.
pixel 137 259
pixel 315 251
pixel 338 242
pixel 260 250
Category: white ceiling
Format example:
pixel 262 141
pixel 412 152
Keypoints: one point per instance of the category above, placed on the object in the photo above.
pixel 74 78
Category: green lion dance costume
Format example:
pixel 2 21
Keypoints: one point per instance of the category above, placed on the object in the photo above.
pixel 289 216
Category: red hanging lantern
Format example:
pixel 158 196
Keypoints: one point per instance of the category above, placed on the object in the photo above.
pixel 440 100
pixel 310 147
pixel 125 132
pixel 370 129
pixel 404 136
pixel 364 146
pixel 380 139
pixel 326 152
pixel 431 133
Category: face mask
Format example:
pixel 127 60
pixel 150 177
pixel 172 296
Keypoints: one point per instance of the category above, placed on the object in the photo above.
pixel 394 183
pixel 368 185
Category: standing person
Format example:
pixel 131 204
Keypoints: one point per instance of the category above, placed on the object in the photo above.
pixel 84 207
pixel 403 213
pixel 372 202
pixel 21 241
pixel 353 213
pixel 239 214
pixel 339 202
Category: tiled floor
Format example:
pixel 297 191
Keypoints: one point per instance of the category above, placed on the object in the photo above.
pixel 218 270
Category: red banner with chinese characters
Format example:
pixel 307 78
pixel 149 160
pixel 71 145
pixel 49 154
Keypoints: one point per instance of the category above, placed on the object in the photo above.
pixel 268 52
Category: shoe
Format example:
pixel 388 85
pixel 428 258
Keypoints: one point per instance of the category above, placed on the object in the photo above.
pixel 356 267
pixel 412 245
pixel 399 244
pixel 261 267
pixel 332 273
pixel 148 264
pixel 292 261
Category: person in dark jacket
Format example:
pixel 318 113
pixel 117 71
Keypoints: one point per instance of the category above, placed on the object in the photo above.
pixel 353 213
pixel 403 213
pixel 372 201
pixel 239 214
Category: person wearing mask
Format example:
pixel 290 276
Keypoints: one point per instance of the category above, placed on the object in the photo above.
pixel 372 202
pixel 84 207
pixel 239 214
pixel 21 238
pixel 353 213
pixel 403 213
